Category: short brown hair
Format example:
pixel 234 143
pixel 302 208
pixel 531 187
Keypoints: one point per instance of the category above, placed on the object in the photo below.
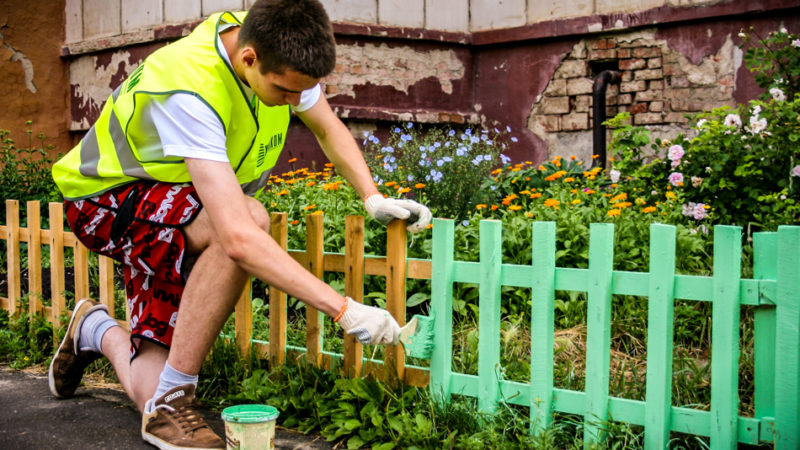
pixel 290 34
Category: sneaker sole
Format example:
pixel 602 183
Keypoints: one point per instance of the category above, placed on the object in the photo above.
pixel 50 379
pixel 164 445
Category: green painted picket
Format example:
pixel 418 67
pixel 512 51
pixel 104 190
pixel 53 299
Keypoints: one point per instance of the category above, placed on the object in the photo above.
pixel 775 290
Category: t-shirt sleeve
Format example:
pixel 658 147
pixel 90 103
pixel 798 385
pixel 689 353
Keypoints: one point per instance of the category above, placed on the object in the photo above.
pixel 189 128
pixel 308 98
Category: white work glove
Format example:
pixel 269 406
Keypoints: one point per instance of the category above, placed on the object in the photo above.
pixel 370 325
pixel 384 210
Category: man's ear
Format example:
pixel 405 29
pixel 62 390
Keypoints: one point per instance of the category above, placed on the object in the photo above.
pixel 249 56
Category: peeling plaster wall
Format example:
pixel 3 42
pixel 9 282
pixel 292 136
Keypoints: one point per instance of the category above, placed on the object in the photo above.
pixel 33 75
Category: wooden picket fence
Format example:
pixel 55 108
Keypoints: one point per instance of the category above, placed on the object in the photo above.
pixel 774 291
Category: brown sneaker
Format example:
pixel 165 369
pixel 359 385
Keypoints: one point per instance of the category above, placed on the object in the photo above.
pixel 176 423
pixel 68 364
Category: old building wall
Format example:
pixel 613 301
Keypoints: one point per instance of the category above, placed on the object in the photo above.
pixel 34 78
pixel 527 64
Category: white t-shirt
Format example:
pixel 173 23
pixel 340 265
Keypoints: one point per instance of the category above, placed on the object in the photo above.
pixel 188 128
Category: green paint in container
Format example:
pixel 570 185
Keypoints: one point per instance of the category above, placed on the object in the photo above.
pixel 250 427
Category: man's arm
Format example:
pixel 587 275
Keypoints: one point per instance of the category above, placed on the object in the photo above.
pixel 249 245
pixel 342 150
pixel 339 146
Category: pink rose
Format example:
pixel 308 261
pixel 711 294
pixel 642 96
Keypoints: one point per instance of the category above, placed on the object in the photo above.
pixel 676 178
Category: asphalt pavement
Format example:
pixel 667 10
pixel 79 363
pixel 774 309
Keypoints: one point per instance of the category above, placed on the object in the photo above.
pixel 99 416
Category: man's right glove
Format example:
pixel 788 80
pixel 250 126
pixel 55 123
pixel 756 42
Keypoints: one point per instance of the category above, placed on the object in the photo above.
pixel 384 210
pixel 370 325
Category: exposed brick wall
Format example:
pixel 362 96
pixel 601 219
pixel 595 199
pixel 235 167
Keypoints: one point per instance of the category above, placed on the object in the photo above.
pixel 659 86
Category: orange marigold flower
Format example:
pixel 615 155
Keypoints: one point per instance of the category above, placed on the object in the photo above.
pixel 292 160
pixel 328 164
pixel 419 185
pixel 624 204
pixel 497 171
pixel 536 195
pixel 318 212
pixel 404 190
pixel 619 197
pixel 311 183
pixel 613 212
pixel 590 191
pixel 292 181
pixel 390 183
pixel 595 156
pixel 294 222
pixel 283 192
pixel 551 202
pixel 530 163
pixel 331 186
pixel 576 201
pixel 573 157
pixel 494 207
pixel 515 207
pixel 480 206
pixel 306 208
pixel 569 180
pixel 529 215
pixel 649 209
pixel 430 225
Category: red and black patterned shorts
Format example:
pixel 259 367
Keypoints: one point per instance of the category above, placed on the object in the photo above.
pixel 141 225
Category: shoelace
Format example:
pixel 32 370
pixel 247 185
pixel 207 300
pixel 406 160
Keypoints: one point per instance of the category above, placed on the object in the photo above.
pixel 188 419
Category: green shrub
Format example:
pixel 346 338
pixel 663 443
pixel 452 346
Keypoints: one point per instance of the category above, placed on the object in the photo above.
pixel 25 174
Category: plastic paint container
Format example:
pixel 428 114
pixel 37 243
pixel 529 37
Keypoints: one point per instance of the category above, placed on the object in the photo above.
pixel 250 427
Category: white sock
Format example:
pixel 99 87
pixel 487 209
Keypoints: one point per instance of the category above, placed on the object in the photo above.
pixel 93 328
pixel 171 378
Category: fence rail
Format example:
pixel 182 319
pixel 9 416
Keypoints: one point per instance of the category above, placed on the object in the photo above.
pixel 774 291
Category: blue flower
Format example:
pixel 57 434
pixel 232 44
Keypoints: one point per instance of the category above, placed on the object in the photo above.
pixel 435 175
pixel 397 129
pixel 505 159
pixel 410 125
pixel 468 132
pixel 366 134
pixel 410 178
pixel 514 139
pixel 508 128
pixel 447 144
pixel 406 137
pixel 377 179
pixel 461 151
pixel 437 144
pixel 465 223
pixel 451 133
pixel 422 148
pixel 487 157
pixel 477 160
pixel 474 139
pixel 374 139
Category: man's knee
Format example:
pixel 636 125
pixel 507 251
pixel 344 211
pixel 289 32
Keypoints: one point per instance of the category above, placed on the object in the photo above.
pixel 259 213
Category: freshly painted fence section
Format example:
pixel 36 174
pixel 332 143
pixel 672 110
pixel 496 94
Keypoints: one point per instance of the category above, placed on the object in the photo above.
pixel 777 339
pixel 774 291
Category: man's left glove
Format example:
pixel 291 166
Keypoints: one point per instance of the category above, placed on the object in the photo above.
pixel 384 210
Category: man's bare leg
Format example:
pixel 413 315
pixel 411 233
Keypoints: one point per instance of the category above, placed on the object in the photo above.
pixel 139 377
pixel 211 292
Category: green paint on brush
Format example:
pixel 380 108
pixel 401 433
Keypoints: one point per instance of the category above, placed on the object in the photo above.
pixel 417 337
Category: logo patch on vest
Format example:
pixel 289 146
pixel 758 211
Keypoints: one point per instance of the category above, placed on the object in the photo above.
pixel 263 148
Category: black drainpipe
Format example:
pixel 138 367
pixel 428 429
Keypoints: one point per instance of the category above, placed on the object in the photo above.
pixel 601 81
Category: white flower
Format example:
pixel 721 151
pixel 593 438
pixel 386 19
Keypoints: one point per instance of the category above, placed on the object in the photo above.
pixel 614 175
pixel 777 94
pixel 733 120
pixel 701 123
pixel 697 181
pixel 796 43
pixel 784 30
pixel 757 125
pixel 742 35
pixel 796 171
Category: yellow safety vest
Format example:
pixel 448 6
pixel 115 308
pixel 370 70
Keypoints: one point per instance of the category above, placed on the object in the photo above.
pixel 108 156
